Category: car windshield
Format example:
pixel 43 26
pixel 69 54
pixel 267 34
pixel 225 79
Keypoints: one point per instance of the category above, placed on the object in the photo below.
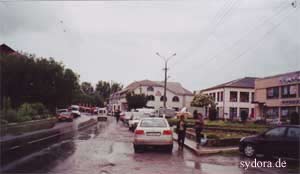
pixel 65 113
pixel 153 123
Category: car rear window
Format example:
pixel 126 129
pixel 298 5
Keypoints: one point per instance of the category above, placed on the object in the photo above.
pixel 153 123
pixel 293 132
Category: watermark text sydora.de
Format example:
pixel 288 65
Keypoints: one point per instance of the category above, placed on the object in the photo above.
pixel 263 164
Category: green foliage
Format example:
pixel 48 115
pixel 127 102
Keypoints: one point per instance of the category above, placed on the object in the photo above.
pixel 87 88
pixel 105 89
pixel 135 101
pixel 11 116
pixel 244 116
pixel 203 100
pixel 27 78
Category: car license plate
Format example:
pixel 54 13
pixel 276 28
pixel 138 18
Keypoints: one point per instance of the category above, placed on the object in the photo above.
pixel 153 133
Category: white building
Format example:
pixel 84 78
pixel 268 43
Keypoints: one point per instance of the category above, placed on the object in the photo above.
pixel 177 96
pixel 233 97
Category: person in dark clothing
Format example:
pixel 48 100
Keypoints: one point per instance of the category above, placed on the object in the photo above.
pixel 117 115
pixel 198 129
pixel 181 130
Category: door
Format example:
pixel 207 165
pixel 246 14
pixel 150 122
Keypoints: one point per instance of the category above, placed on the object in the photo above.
pixel 292 142
pixel 273 141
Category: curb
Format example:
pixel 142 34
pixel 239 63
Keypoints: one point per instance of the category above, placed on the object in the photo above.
pixel 208 152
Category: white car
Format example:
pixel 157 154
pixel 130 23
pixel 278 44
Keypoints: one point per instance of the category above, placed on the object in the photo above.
pixel 135 119
pixel 75 111
pixel 153 132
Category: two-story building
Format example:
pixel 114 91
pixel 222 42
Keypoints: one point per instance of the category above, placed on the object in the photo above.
pixel 177 96
pixel 232 98
pixel 278 96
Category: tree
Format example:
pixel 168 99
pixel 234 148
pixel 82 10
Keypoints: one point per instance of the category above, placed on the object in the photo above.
pixel 115 87
pixel 135 101
pixel 87 88
pixel 27 78
pixel 103 89
pixel 203 100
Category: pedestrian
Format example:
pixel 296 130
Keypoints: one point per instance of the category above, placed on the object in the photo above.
pixel 181 130
pixel 117 115
pixel 199 124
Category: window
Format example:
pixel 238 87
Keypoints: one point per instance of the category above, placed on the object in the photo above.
pixel 276 132
pixel 246 110
pixel 221 96
pixel 151 98
pixel 286 111
pixel 232 113
pixel 175 99
pixel 288 91
pixel 214 96
pixel 272 92
pixel 293 132
pixel 150 88
pixel 244 96
pixel 162 98
pixel 272 112
pixel 153 123
pixel 218 96
pixel 252 96
pixel 233 96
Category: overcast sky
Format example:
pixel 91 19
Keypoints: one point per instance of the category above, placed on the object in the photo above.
pixel 215 40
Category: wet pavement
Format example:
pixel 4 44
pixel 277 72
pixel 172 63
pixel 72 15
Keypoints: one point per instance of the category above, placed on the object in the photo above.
pixel 106 148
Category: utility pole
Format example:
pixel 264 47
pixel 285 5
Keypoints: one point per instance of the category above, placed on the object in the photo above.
pixel 166 60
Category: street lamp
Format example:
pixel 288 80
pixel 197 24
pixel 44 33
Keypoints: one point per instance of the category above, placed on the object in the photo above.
pixel 166 60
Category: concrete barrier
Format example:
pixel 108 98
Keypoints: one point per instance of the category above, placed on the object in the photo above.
pixel 28 126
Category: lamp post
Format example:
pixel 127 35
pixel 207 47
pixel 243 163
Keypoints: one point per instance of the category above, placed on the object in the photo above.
pixel 166 60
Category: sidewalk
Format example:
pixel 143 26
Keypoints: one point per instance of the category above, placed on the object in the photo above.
pixel 204 150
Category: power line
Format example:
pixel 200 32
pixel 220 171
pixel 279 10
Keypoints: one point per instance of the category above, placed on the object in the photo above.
pixel 259 41
pixel 218 21
pixel 281 8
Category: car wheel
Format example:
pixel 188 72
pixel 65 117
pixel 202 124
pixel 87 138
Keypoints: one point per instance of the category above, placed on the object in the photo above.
pixel 249 150
pixel 137 148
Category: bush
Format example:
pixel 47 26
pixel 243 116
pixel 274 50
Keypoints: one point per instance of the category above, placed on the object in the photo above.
pixel 39 108
pixel 11 116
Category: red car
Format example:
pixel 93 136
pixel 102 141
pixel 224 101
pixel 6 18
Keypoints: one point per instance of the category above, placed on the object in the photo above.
pixel 65 116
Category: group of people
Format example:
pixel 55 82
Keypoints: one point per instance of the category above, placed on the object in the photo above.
pixel 181 130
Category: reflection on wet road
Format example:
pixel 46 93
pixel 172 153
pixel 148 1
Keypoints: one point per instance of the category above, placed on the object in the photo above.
pixel 107 148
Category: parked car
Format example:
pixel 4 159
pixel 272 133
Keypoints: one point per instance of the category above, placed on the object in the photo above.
pixel 279 141
pixel 75 111
pixel 169 113
pixel 127 117
pixel 58 111
pixel 65 116
pixel 153 132
pixel 135 118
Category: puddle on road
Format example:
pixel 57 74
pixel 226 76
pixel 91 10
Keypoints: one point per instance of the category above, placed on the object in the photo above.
pixel 212 168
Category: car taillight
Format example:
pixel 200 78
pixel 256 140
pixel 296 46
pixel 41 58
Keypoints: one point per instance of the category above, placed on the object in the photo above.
pixel 139 132
pixel 167 132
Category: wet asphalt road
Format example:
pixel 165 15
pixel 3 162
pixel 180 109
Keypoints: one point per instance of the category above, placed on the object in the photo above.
pixel 107 148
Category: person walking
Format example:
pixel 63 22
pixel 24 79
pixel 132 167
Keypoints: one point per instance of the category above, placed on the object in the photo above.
pixel 199 124
pixel 181 131
pixel 117 115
